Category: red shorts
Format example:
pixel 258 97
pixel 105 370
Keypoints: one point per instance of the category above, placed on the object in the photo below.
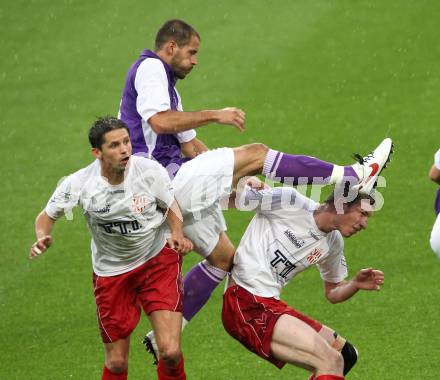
pixel 155 285
pixel 251 319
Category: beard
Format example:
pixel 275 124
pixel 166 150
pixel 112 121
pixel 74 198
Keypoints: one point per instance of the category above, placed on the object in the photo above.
pixel 179 71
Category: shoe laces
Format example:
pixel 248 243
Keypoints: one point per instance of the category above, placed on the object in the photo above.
pixel 363 160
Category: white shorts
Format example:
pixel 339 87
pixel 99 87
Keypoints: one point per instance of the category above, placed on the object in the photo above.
pixel 199 186
pixel 435 237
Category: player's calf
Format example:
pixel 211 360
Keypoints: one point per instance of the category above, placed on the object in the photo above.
pixel 348 351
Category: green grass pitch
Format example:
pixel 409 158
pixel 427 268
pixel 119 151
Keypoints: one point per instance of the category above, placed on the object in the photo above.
pixel 325 78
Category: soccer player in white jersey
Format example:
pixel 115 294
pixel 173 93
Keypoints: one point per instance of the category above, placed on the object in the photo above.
pixel 137 238
pixel 202 183
pixel 434 175
pixel 289 234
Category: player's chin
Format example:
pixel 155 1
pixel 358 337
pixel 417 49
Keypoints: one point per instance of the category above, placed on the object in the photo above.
pixel 181 74
pixel 349 233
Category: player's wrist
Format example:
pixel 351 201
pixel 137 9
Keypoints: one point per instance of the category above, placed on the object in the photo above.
pixel 211 116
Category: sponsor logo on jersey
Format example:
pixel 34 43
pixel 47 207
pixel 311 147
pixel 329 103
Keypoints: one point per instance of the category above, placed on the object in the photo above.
pixel 298 243
pixel 103 210
pixel 314 235
pixel 343 262
pixel 139 204
pixel 314 256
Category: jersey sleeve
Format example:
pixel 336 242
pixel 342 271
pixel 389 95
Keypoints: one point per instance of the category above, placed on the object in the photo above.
pixel 278 200
pixel 156 181
pixel 64 199
pixel 162 188
pixel 186 136
pixel 437 160
pixel 151 84
pixel 333 268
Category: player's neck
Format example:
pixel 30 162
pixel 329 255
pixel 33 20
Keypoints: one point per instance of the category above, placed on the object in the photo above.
pixel 163 56
pixel 113 176
pixel 324 218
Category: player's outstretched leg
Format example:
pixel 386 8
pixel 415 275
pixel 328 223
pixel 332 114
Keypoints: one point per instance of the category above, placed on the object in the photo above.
pixel 202 279
pixel 297 169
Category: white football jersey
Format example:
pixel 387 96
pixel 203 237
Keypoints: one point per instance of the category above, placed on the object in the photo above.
pixel 283 240
pixel 127 220
pixel 437 159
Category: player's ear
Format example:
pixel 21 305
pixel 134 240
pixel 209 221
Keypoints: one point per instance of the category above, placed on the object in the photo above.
pixel 171 47
pixel 97 153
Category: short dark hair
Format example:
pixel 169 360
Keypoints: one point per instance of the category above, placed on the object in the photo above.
pixel 101 126
pixel 176 30
pixel 330 201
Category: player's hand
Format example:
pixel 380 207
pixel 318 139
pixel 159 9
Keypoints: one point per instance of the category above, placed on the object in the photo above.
pixel 180 243
pixel 40 246
pixel 232 116
pixel 369 279
pixel 256 183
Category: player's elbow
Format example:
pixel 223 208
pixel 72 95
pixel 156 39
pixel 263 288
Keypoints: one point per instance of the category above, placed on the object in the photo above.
pixel 159 123
pixel 42 217
pixel 333 300
pixel 434 174
pixel 331 297
pixel 157 127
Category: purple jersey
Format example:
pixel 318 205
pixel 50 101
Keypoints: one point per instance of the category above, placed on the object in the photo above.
pixel 165 148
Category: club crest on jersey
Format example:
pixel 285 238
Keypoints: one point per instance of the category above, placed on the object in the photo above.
pixel 314 256
pixel 139 204
pixel 298 243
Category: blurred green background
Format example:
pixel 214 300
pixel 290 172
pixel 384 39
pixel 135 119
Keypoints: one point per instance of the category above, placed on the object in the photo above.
pixel 325 78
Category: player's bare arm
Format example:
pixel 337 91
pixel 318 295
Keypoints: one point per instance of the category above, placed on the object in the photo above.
pixel 193 148
pixel 434 174
pixel 43 229
pixel 177 240
pixel 365 279
pixel 171 122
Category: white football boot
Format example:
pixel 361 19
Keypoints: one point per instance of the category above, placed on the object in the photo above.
pixel 368 168
pixel 151 346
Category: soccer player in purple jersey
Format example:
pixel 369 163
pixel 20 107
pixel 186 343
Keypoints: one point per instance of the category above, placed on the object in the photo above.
pixel 434 174
pixel 152 109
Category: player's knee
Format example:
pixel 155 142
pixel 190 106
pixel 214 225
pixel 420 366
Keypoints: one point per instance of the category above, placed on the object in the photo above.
pixel 335 359
pixel 117 364
pixel 328 359
pixel 258 150
pixel 170 353
pixel 221 260
pixel 255 153
pixel 350 356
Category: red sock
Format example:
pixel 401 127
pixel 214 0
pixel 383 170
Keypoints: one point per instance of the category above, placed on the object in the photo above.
pixel 165 372
pixel 107 375
pixel 329 377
